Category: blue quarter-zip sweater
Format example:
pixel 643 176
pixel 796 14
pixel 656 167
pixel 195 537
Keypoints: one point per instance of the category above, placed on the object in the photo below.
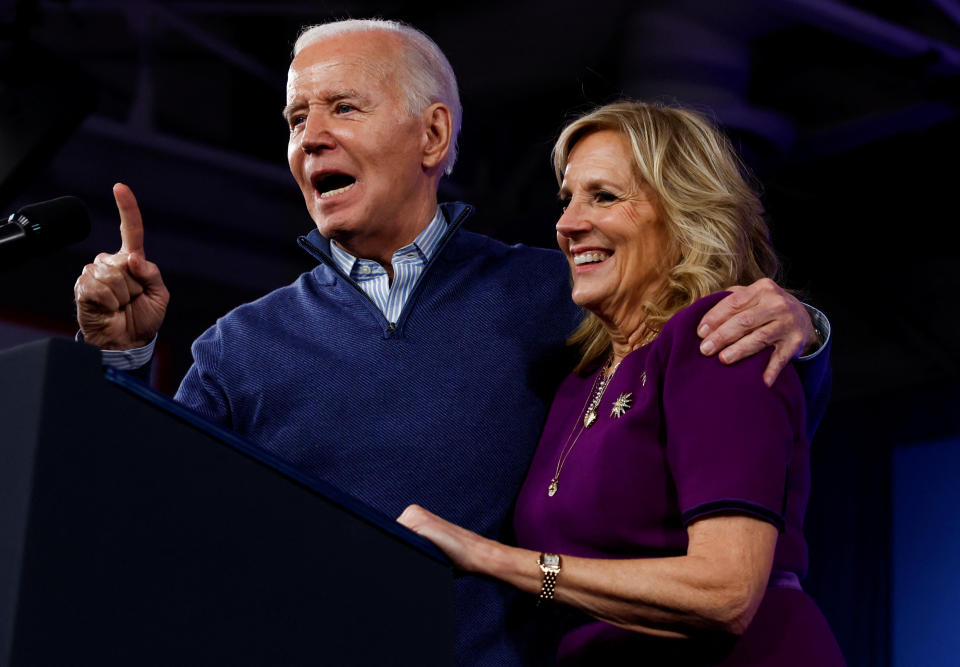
pixel 444 409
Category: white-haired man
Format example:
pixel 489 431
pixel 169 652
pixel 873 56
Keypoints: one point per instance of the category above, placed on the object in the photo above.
pixel 415 363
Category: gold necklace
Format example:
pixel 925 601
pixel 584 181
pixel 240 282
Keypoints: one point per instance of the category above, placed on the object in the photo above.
pixel 589 418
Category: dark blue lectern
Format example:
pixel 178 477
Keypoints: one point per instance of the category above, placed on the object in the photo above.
pixel 134 533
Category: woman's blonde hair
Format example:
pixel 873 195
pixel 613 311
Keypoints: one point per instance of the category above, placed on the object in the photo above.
pixel 712 214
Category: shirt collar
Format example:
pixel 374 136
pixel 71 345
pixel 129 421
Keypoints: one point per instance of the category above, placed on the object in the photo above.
pixel 425 245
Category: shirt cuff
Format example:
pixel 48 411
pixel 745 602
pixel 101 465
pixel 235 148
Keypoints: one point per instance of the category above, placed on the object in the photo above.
pixel 822 325
pixel 126 360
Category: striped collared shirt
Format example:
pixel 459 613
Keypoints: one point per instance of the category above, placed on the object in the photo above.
pixel 408 264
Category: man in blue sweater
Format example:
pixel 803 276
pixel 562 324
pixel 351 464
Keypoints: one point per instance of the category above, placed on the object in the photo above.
pixel 416 362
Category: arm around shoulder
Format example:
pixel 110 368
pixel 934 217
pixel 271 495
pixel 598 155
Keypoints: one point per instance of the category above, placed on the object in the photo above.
pixel 815 371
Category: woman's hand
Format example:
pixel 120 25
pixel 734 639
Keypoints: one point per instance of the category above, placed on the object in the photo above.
pixel 468 551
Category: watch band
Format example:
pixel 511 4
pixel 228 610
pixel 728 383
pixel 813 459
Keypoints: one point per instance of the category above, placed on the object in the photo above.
pixel 550 567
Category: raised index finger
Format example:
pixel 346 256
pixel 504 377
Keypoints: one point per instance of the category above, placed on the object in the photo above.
pixel 131 222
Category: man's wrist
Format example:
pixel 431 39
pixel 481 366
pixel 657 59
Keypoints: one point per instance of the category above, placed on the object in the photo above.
pixel 821 329
pixel 125 360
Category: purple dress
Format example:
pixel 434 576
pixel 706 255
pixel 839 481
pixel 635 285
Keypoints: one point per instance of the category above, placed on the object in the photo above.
pixel 698 439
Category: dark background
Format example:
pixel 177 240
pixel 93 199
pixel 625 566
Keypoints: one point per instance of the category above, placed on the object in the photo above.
pixel 847 112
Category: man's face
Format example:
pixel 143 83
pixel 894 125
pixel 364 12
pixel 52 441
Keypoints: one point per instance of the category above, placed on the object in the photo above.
pixel 354 149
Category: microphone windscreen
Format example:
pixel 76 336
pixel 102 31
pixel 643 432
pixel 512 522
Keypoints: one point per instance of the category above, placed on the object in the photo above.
pixel 56 222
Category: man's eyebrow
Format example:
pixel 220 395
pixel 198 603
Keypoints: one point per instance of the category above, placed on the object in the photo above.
pixel 342 95
pixel 298 103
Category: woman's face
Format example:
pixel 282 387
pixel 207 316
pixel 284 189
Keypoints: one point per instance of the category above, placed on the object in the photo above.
pixel 611 229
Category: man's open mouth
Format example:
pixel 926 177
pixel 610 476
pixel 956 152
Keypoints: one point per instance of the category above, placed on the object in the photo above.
pixel 329 185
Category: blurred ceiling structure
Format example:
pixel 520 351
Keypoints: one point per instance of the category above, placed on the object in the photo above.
pixel 847 112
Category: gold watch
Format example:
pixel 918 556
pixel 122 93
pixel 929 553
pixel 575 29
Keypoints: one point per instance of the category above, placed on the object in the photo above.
pixel 550 566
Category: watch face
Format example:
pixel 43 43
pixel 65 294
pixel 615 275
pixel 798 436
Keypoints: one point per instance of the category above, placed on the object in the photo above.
pixel 550 560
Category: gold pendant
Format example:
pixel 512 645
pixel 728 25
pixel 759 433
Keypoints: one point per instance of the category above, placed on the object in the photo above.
pixel 552 489
pixel 589 418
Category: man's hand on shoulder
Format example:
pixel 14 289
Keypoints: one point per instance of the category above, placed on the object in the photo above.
pixel 121 299
pixel 755 317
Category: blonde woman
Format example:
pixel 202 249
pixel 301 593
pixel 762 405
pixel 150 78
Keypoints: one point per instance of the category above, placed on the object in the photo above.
pixel 667 494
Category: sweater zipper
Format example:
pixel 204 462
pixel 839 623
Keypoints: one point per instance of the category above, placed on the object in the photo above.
pixel 451 229
pixel 319 254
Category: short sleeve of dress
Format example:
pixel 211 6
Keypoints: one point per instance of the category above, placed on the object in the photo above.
pixel 728 436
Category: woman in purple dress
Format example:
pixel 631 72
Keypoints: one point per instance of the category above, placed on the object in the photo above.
pixel 667 494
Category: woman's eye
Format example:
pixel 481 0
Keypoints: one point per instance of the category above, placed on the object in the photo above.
pixel 604 196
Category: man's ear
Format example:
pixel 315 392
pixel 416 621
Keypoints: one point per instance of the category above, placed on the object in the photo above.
pixel 438 131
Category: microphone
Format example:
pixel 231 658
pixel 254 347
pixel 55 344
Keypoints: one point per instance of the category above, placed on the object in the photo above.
pixel 42 227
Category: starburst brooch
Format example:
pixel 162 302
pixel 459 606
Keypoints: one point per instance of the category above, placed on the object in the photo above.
pixel 621 405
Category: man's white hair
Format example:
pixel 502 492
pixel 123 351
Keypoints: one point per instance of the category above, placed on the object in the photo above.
pixel 428 75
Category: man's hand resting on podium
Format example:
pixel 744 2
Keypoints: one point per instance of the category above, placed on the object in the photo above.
pixel 121 298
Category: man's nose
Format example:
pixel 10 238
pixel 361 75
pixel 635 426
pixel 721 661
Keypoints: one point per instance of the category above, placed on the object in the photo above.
pixel 316 134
